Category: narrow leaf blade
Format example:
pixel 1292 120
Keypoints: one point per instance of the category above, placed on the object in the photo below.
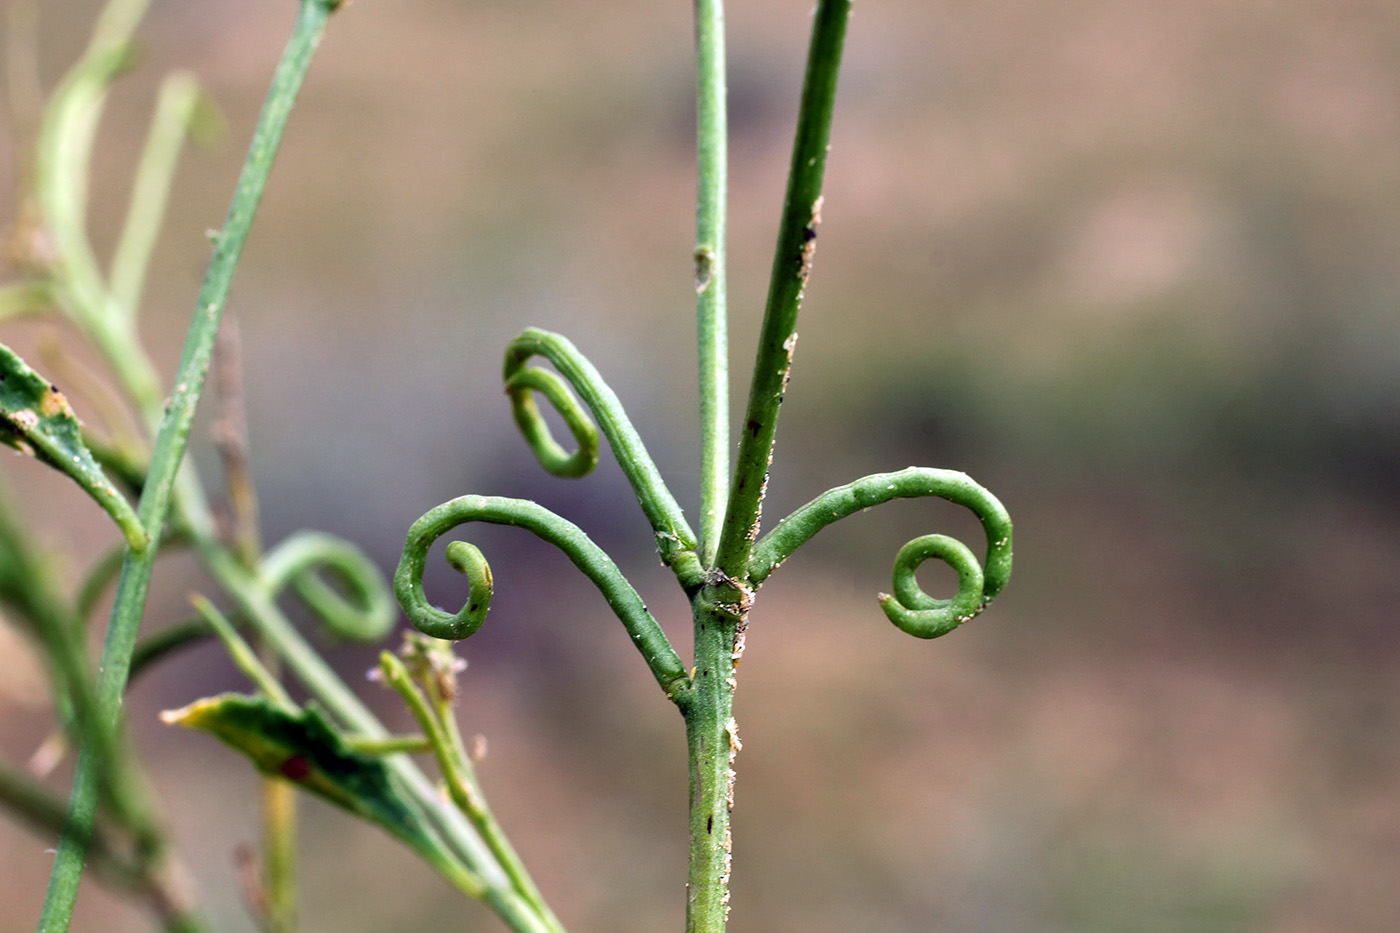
pixel 302 747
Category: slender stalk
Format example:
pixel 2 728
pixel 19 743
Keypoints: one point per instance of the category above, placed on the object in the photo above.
pixel 279 852
pixel 792 264
pixel 439 725
pixel 170 447
pixel 175 111
pixel 710 210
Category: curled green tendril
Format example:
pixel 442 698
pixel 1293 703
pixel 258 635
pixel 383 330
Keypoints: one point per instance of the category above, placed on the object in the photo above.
pixel 920 614
pixel 673 533
pixel 624 600
pixel 521 387
pixel 365 614
pixel 910 607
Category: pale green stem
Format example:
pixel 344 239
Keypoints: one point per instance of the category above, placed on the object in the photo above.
pixel 440 728
pixel 169 450
pixel 712 740
pixel 394 745
pixel 721 606
pixel 710 274
pixel 175 109
pixel 243 655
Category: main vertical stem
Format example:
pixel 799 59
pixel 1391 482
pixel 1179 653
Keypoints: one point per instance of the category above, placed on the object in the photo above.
pixel 710 212
pixel 713 741
pixel 721 606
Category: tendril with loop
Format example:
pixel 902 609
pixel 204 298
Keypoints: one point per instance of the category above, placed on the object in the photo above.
pixel 365 614
pixel 909 607
pixel 620 595
pixel 673 534
pixel 520 386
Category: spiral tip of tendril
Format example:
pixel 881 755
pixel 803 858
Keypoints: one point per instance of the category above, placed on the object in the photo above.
pixel 466 559
pixel 920 614
pixel 520 386
pixel 921 623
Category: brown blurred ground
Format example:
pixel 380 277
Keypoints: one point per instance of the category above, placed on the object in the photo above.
pixel 1132 265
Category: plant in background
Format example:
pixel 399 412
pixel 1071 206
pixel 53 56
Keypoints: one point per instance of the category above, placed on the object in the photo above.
pixel 333 746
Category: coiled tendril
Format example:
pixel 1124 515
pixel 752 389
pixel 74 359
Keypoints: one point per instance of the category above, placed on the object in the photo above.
pixel 366 614
pixel 673 533
pixel 909 607
pixel 521 385
pixel 624 600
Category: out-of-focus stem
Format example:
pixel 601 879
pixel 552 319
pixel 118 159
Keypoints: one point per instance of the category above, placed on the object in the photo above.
pixel 169 450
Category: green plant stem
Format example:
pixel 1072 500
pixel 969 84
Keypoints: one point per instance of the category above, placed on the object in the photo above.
pixel 394 745
pixel 65 145
pixel 712 193
pixel 169 450
pixel 712 739
pixel 175 110
pixel 279 851
pixel 721 605
pixel 243 655
pixel 792 264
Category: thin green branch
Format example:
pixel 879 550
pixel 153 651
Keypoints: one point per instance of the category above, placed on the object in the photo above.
pixel 394 745
pixel 710 270
pixel 243 654
pixel 170 447
pixel 792 265
pixel 25 298
pixel 646 634
pixel 176 109
pixel 65 143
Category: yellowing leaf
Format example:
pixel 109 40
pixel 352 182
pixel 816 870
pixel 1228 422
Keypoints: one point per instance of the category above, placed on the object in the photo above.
pixel 36 419
pixel 303 748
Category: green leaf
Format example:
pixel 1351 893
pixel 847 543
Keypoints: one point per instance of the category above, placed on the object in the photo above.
pixel 302 747
pixel 36 419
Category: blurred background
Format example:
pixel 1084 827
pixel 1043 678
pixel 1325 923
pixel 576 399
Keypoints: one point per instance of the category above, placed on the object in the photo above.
pixel 1134 266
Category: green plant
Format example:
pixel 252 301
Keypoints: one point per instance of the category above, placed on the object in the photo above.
pixel 334 747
